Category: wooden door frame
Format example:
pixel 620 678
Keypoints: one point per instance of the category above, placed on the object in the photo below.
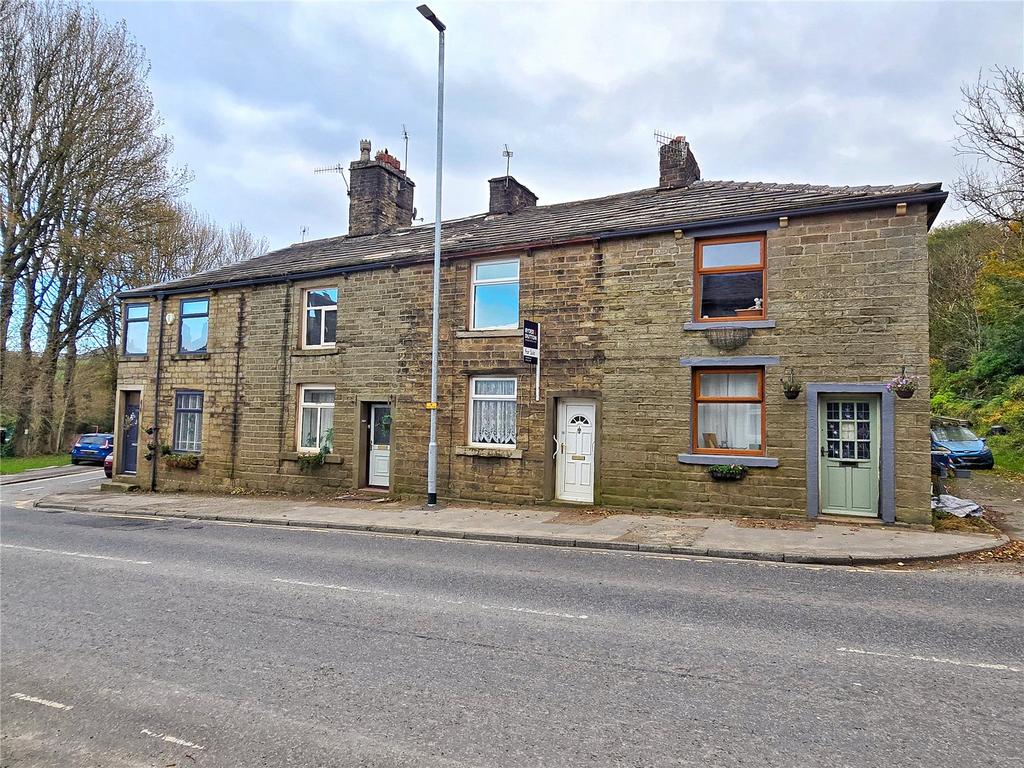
pixel 887 442
pixel 875 443
pixel 551 400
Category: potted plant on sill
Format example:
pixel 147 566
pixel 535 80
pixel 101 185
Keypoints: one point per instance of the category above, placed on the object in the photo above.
pixel 903 385
pixel 174 460
pixel 310 461
pixel 727 472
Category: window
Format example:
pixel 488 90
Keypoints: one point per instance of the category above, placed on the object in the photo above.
pixel 728 410
pixel 136 328
pixel 319 323
pixel 194 326
pixel 316 418
pixel 492 411
pixel 188 421
pixel 494 299
pixel 730 278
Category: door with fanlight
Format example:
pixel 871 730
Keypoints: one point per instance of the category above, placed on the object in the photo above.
pixel 574 451
pixel 378 470
pixel 849 440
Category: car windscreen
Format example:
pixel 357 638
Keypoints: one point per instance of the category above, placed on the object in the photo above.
pixel 953 434
pixel 92 439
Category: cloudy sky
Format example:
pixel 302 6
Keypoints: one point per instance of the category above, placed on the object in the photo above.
pixel 257 95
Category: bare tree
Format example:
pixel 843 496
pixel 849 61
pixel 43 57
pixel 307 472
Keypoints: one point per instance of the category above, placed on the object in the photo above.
pixel 992 145
pixel 81 161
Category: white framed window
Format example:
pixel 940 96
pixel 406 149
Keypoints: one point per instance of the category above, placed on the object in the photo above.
pixel 188 421
pixel 136 328
pixel 320 318
pixel 492 411
pixel 316 418
pixel 494 295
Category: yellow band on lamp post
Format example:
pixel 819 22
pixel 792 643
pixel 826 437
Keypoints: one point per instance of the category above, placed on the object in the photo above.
pixel 430 406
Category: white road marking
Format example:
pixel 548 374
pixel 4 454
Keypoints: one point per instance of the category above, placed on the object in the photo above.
pixel 37 700
pixel 384 593
pixel 933 659
pixel 77 554
pixel 171 739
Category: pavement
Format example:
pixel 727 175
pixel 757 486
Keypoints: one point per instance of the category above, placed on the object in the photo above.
pixel 148 641
pixel 799 541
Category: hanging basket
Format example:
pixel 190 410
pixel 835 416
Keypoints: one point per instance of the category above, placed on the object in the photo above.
pixel 727 472
pixel 727 338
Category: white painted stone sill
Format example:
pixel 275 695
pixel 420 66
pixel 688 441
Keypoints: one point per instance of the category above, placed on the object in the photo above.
pixel 314 351
pixel 752 324
pixel 707 459
pixel 489 453
pixel 488 334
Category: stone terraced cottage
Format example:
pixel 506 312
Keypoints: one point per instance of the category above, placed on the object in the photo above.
pixel 668 317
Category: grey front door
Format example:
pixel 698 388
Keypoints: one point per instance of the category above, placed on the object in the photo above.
pixel 849 439
pixel 130 433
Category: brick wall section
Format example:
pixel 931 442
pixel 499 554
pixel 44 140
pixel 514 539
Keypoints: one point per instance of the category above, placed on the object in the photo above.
pixel 848 293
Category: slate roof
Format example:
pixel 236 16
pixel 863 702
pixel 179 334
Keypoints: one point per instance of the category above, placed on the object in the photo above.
pixel 703 203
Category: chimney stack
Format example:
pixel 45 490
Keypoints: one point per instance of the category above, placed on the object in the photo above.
pixel 678 165
pixel 381 195
pixel 509 196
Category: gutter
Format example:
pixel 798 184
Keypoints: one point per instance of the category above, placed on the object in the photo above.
pixel 693 227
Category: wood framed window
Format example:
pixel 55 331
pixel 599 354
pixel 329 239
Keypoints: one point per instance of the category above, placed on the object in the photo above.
pixel 728 411
pixel 320 318
pixel 316 419
pixel 494 294
pixel 492 411
pixel 188 421
pixel 136 329
pixel 729 283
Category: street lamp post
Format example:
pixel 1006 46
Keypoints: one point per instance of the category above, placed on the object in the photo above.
pixel 435 328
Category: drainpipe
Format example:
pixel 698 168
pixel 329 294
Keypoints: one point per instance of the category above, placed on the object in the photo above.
pixel 156 396
pixel 286 336
pixel 238 382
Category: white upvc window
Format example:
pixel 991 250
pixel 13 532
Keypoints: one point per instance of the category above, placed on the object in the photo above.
pixel 492 411
pixel 316 418
pixel 319 317
pixel 494 294
pixel 188 421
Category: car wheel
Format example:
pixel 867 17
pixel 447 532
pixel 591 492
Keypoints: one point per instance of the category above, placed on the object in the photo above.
pixel 74 461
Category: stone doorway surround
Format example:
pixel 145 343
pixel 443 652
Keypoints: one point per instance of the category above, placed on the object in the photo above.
pixel 887 454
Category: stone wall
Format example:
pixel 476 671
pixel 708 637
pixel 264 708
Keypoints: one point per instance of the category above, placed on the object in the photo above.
pixel 848 294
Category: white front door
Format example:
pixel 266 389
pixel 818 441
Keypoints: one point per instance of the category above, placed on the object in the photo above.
pixel 379 468
pixel 574 457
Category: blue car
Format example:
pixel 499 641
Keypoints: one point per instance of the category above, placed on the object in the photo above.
pixel 95 447
pixel 965 448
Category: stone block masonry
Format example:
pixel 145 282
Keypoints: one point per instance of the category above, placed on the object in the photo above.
pixel 847 292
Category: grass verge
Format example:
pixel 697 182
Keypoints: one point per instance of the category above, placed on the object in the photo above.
pixel 14 464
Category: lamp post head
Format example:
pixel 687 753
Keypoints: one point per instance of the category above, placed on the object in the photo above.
pixel 429 16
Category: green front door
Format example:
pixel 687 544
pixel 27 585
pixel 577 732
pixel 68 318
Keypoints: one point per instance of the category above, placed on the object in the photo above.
pixel 848 436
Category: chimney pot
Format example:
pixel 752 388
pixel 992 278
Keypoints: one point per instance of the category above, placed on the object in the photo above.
pixel 364 150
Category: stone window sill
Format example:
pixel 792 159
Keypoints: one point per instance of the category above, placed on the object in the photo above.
pixel 488 334
pixel 490 453
pixel 331 458
pixel 707 459
pixel 133 358
pixel 753 324
pixel 315 351
pixel 190 356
